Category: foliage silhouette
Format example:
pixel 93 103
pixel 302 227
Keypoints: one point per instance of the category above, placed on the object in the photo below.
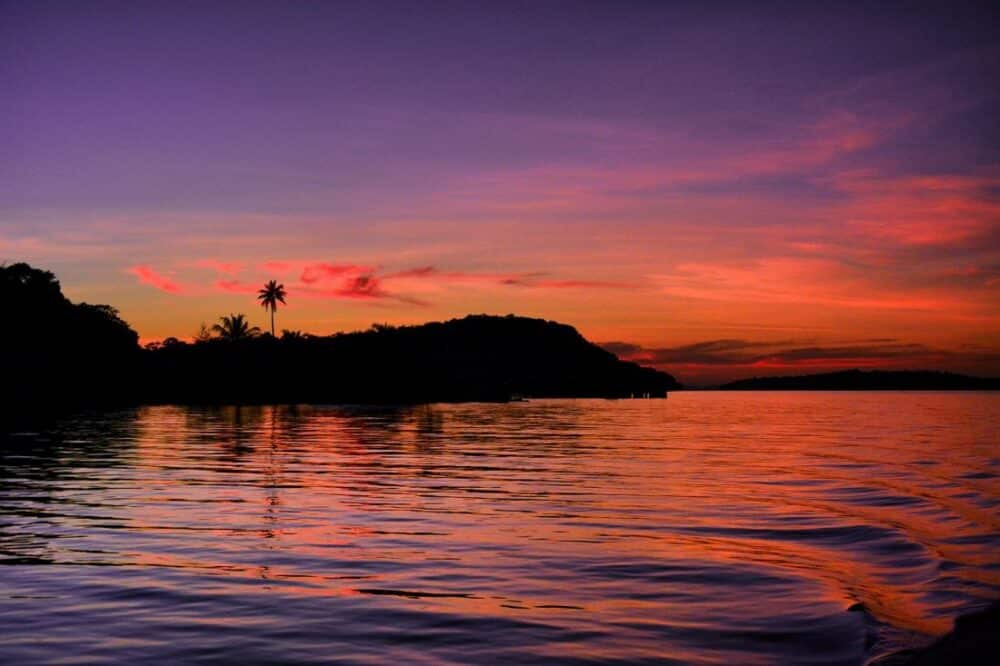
pixel 59 351
pixel 479 357
pixel 204 333
pixel 235 327
pixel 270 296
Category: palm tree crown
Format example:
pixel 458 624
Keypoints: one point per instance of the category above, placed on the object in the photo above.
pixel 235 327
pixel 270 296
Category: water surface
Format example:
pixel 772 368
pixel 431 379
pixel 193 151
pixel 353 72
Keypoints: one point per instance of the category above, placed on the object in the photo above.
pixel 710 528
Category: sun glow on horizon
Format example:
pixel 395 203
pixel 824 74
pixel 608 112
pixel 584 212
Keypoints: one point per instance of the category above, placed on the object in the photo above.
pixel 665 181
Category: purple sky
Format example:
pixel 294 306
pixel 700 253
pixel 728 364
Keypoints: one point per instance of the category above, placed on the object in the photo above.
pixel 659 174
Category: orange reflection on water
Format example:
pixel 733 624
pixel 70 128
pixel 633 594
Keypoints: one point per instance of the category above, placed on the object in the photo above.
pixel 649 524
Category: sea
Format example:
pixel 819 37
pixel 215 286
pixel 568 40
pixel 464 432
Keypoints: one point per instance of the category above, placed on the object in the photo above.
pixel 707 528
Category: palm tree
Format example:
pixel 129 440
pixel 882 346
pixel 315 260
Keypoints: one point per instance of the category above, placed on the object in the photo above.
pixel 235 327
pixel 270 296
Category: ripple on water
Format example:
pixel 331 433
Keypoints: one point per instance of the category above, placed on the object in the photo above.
pixel 711 528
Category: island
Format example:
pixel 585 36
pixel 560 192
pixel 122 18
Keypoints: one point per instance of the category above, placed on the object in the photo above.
pixel 57 352
pixel 868 380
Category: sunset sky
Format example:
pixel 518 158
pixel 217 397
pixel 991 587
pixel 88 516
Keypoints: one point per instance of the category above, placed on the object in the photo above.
pixel 713 189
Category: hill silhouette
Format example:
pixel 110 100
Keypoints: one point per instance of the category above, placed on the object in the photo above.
pixel 868 380
pixel 57 352
pixel 479 357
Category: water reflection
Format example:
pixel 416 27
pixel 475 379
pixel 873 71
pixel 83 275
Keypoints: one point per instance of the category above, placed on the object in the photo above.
pixel 50 475
pixel 713 528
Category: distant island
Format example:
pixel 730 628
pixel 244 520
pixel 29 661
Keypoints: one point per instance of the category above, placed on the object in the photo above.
pixel 55 352
pixel 869 380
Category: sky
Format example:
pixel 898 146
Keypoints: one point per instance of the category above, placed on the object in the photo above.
pixel 719 190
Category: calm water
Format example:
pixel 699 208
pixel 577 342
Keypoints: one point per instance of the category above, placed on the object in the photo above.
pixel 711 528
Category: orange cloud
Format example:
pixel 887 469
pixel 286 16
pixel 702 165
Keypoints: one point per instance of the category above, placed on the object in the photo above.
pixel 793 280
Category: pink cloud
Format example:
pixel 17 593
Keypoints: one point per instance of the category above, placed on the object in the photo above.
pixel 921 211
pixel 419 272
pixel 365 287
pixel 527 279
pixel 320 271
pixel 365 283
pixel 431 273
pixel 147 275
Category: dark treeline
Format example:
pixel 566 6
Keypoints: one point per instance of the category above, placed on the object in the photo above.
pixel 475 358
pixel 868 380
pixel 57 352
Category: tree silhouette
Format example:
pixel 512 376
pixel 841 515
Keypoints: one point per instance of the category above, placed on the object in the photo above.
pixel 59 351
pixel 235 327
pixel 204 333
pixel 270 296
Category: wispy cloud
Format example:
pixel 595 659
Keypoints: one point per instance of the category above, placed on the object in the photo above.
pixel 355 281
pixel 939 211
pixel 235 287
pixel 146 275
pixel 318 272
pixel 280 267
pixel 533 279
